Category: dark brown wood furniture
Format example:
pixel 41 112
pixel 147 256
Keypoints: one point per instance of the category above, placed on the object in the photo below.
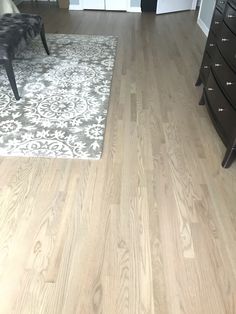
pixel 218 75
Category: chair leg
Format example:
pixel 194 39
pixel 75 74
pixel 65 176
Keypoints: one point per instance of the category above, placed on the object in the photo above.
pixel 44 41
pixel 11 77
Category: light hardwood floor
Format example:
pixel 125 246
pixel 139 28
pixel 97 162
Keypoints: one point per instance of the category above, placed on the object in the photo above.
pixel 151 227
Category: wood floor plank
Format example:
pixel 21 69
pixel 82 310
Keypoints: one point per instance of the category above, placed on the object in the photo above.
pixel 151 227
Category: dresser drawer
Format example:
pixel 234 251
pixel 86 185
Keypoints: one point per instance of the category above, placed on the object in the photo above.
pixel 216 22
pixel 227 46
pixel 232 3
pixel 230 17
pixel 211 44
pixel 220 4
pixel 221 108
pixel 225 77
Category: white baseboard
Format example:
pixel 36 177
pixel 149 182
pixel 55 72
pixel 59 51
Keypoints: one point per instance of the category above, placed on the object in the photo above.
pixel 203 26
pixel 134 9
pixel 74 7
pixel 80 7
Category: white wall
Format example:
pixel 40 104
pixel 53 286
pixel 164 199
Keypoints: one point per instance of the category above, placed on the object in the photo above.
pixel 205 15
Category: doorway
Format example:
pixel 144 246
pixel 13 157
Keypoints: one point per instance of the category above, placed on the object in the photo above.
pixel 148 5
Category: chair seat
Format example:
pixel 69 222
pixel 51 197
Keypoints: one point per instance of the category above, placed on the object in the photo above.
pixel 16 30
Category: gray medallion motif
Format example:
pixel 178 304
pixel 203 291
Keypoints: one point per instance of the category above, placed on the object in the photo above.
pixel 64 98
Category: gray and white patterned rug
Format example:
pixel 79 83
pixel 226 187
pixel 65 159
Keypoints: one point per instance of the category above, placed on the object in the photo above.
pixel 64 104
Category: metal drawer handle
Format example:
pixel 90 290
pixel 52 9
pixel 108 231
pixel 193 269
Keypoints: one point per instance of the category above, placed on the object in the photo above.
pixel 212 45
pixel 217 22
pixel 218 65
pixel 224 39
pixel 230 83
pixel 206 66
pixel 230 16
pixel 221 109
pixel 210 88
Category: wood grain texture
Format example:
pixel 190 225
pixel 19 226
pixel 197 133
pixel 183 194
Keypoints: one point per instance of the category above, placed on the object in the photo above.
pixel 151 227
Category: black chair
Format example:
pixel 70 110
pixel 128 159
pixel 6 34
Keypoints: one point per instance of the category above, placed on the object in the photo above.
pixel 15 29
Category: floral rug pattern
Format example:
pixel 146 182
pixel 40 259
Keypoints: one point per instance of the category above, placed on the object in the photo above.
pixel 64 98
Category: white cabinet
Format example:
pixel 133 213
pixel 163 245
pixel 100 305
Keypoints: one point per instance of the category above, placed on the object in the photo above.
pixel 120 5
pixel 94 4
pixel 114 5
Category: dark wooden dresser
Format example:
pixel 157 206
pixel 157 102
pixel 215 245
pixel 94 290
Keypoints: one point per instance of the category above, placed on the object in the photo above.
pixel 218 75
